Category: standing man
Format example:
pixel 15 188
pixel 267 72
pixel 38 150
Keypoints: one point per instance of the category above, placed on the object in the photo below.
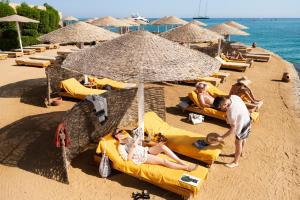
pixel 238 117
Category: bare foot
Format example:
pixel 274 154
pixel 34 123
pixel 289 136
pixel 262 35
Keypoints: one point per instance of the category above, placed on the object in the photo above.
pixel 232 165
pixel 192 168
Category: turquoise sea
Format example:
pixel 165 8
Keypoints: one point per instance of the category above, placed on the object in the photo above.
pixel 281 36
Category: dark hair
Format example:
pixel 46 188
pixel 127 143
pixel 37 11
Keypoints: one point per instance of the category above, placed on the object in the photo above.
pixel 116 132
pixel 107 87
pixel 219 101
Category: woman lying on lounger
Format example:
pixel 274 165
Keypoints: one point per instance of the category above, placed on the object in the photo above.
pixel 241 89
pixel 132 150
pixel 206 100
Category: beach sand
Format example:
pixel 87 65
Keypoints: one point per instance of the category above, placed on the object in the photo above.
pixel 268 170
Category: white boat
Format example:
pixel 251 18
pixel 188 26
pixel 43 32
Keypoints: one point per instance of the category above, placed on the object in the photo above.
pixel 139 17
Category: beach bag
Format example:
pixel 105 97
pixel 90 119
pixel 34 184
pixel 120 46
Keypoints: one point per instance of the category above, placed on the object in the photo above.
pixel 196 118
pixel 104 167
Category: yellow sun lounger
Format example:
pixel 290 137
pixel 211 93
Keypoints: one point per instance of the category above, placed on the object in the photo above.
pixel 213 80
pixel 211 112
pixel 33 63
pixel 233 65
pixel 221 75
pixel 114 84
pixel 233 60
pixel 181 141
pixel 26 51
pixel 3 56
pixel 72 88
pixel 160 176
pixel 51 59
pixel 12 54
pixel 37 49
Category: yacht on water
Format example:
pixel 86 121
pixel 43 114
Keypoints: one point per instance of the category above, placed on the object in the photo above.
pixel 199 11
pixel 139 17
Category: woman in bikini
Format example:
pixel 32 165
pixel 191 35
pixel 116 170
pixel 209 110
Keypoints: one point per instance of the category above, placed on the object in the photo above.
pixel 130 149
pixel 206 100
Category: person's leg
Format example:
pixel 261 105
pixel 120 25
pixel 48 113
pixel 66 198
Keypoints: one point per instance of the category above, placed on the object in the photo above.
pixel 243 147
pixel 155 160
pixel 159 148
pixel 238 150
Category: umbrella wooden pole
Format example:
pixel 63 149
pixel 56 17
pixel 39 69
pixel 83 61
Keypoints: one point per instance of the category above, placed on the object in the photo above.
pixel 158 28
pixel 141 109
pixel 219 46
pixel 19 34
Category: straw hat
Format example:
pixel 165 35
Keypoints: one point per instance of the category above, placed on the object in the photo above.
pixel 79 32
pixel 244 80
pixel 211 139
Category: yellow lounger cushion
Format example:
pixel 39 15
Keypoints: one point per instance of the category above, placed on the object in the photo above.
pixel 72 88
pixel 181 141
pixel 115 84
pixel 211 112
pixel 158 175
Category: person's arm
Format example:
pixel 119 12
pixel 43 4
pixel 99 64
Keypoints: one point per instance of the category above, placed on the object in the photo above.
pixel 131 150
pixel 202 101
pixel 229 132
pixel 122 151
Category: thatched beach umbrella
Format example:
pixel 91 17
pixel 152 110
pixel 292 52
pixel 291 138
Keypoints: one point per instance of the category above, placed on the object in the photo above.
pixel 70 18
pixel 129 22
pixel 141 57
pixel 191 33
pixel 198 23
pixel 226 30
pixel 78 33
pixel 171 20
pixel 236 25
pixel 18 19
pixel 109 21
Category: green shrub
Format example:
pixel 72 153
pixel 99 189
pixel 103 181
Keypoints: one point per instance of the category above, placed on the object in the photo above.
pixel 6 10
pixel 29 40
pixel 7 43
pixel 44 22
pixel 30 32
pixel 32 13
pixel 12 34
pixel 53 17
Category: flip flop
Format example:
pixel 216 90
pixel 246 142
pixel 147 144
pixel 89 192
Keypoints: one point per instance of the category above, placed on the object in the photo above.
pixel 232 165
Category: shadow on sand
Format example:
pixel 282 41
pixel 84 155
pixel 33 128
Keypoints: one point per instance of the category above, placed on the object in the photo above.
pixel 32 91
pixel 29 144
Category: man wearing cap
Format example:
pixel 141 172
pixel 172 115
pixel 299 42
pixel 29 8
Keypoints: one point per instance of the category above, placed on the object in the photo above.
pixel 238 117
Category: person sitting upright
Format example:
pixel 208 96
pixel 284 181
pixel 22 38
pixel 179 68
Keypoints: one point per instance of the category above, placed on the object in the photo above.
pixel 241 89
pixel 206 100
pixel 130 149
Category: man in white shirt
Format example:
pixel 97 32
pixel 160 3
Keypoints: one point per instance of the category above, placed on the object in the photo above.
pixel 238 117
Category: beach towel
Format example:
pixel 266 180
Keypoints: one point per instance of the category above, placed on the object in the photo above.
pixel 158 175
pixel 100 107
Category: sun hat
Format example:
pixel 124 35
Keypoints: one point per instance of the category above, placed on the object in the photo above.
pixel 244 80
pixel 212 139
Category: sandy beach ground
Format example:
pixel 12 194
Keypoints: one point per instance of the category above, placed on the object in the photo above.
pixel 269 169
